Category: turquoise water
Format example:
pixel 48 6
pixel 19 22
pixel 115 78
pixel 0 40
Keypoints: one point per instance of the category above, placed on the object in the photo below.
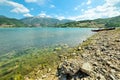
pixel 21 38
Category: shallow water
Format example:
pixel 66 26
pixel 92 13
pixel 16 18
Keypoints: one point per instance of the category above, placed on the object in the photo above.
pixel 21 38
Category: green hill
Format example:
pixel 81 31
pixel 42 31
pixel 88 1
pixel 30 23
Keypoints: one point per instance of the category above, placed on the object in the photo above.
pixel 10 22
pixel 43 21
pixel 97 23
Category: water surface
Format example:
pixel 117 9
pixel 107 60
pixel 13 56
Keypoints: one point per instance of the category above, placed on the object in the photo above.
pixel 21 38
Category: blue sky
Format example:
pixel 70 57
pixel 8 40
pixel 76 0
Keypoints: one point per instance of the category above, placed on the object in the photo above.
pixel 61 9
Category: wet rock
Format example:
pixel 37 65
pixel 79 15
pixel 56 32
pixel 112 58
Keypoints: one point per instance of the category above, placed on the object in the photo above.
pixel 57 49
pixel 65 46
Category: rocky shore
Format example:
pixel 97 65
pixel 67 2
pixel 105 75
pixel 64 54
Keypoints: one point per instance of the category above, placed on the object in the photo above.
pixel 97 58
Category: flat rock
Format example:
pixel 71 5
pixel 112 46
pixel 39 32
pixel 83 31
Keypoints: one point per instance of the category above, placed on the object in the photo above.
pixel 86 68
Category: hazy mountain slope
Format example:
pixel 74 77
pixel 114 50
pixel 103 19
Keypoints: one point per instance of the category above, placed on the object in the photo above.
pixel 43 21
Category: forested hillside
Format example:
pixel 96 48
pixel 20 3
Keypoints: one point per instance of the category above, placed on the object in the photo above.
pixel 10 22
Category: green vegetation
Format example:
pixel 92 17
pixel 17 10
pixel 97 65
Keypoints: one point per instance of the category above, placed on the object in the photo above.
pixel 10 22
pixel 97 23
pixel 16 64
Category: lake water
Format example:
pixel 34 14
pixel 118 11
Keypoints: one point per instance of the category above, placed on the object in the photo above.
pixel 21 38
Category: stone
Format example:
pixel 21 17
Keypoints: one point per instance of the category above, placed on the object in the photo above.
pixel 112 77
pixel 44 76
pixel 100 77
pixel 39 79
pixel 74 69
pixel 98 52
pixel 74 54
pixel 63 77
pixel 65 46
pixel 86 68
pixel 79 48
pixel 57 49
pixel 49 70
pixel 84 55
pixel 117 40
pixel 70 67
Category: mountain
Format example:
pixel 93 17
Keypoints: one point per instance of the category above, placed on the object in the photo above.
pixel 10 22
pixel 97 23
pixel 43 21
pixel 52 22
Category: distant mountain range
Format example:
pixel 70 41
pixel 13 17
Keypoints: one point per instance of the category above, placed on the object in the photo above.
pixel 52 22
pixel 97 23
pixel 43 21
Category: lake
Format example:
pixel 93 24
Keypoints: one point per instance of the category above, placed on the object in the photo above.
pixel 21 38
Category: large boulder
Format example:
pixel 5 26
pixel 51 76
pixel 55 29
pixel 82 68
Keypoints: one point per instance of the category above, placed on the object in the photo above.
pixel 74 68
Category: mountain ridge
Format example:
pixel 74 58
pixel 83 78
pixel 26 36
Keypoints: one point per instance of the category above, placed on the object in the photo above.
pixel 53 22
pixel 43 21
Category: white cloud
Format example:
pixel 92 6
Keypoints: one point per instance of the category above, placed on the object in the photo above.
pixel 30 1
pixel 17 8
pixel 89 2
pixel 108 9
pixel 76 8
pixel 79 6
pixel 39 2
pixel 43 14
pixel 82 10
pixel 52 6
pixel 28 15
pixel 112 2
pixel 60 17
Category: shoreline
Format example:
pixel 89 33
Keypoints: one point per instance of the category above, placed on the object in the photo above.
pixel 101 52
pixel 92 51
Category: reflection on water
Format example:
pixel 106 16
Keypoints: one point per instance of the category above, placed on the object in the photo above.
pixel 19 38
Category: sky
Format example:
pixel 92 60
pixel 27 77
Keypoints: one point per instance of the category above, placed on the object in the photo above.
pixel 60 9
